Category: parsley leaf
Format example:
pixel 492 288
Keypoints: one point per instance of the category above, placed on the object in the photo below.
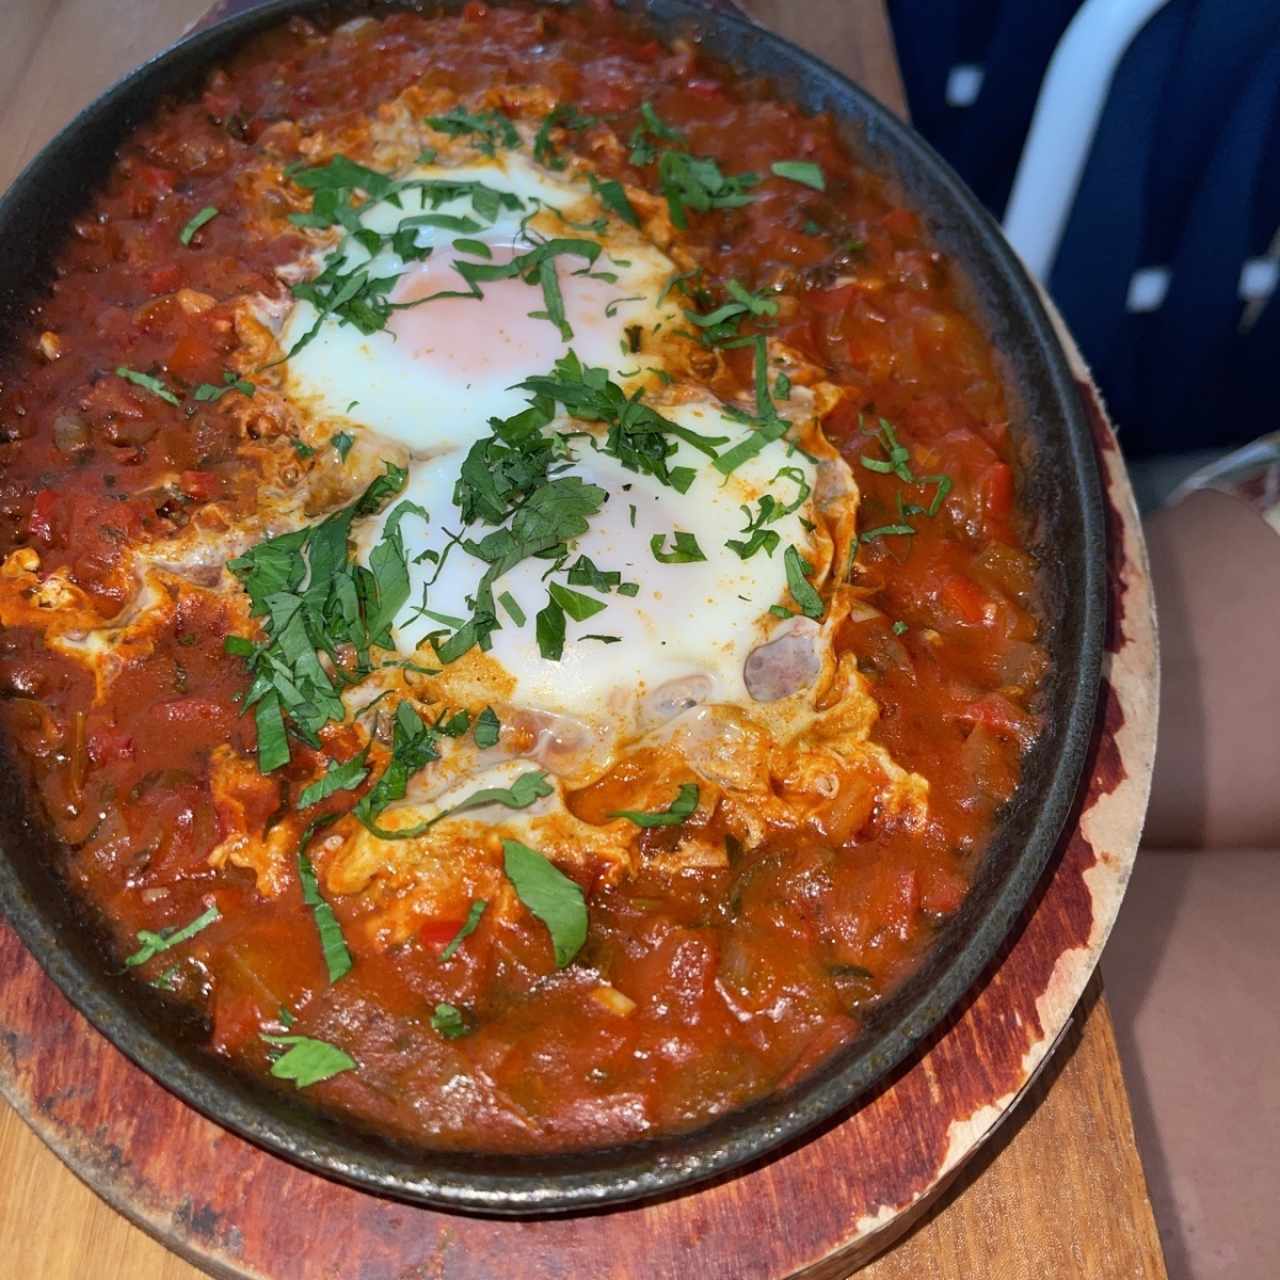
pixel 802 591
pixel 154 943
pixel 549 627
pixel 550 895
pixel 206 391
pixel 684 548
pixel 563 116
pixel 487 729
pixel 494 128
pixel 306 1061
pixel 343 775
pixel 681 807
pixel 449 1022
pixel 524 791
pixel 614 196
pixel 804 172
pixel 313 599
pixel 337 958
pixel 767 425
pixel 578 606
pixel 148 383
pixel 413 746
pixel 467 929
pixel 885 531
pixel 342 442
pixel 207 214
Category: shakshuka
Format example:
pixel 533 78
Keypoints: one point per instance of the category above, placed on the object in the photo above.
pixel 514 599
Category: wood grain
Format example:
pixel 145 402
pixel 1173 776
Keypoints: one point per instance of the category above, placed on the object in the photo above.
pixel 852 35
pixel 1060 1192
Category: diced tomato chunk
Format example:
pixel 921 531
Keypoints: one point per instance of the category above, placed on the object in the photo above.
pixel 41 521
pixel 165 279
pixel 943 892
pixel 193 711
pixel 831 301
pixel 203 486
pixel 192 359
pixel 996 489
pixel 107 745
pixel 155 179
pixel 965 598
pixel 437 934
pixel 996 712
pixel 901 222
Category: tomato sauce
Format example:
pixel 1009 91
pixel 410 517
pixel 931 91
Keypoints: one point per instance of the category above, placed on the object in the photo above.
pixel 738 980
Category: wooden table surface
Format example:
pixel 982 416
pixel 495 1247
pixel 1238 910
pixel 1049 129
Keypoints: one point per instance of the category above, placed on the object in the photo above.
pixel 1059 1192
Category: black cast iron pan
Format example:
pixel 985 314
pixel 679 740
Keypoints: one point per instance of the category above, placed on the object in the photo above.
pixel 1057 481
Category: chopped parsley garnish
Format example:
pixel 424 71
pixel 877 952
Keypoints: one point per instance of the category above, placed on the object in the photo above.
pixel 508 480
pixel 673 815
pixel 721 325
pixel 467 929
pixel 650 126
pixel 897 462
pixel 493 129
pixel 578 606
pixel 900 628
pixel 695 182
pixel 207 214
pixel 767 425
pixel 550 895
pixel 342 442
pixel 488 729
pixel 687 181
pixel 549 627
pixel 770 510
pixel 885 531
pixel 537 266
pixel 449 1022
pixel 804 172
pixel 583 573
pixel 614 196
pixel 314 600
pixel 207 391
pixel 308 1061
pixel 337 958
pixel 348 292
pixel 553 512
pixel 684 548
pixel 345 775
pixel 637 434
pixel 166 980
pixel 413 745
pixel 802 590
pixel 512 606
pixel 563 116
pixel 154 943
pixel 148 383
pixel 527 789
pixel 550 623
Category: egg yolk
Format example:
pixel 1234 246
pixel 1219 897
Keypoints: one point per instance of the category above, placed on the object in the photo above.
pixel 495 335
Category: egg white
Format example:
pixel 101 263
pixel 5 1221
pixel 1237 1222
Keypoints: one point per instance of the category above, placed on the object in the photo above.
pixel 691 624
pixel 443 368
